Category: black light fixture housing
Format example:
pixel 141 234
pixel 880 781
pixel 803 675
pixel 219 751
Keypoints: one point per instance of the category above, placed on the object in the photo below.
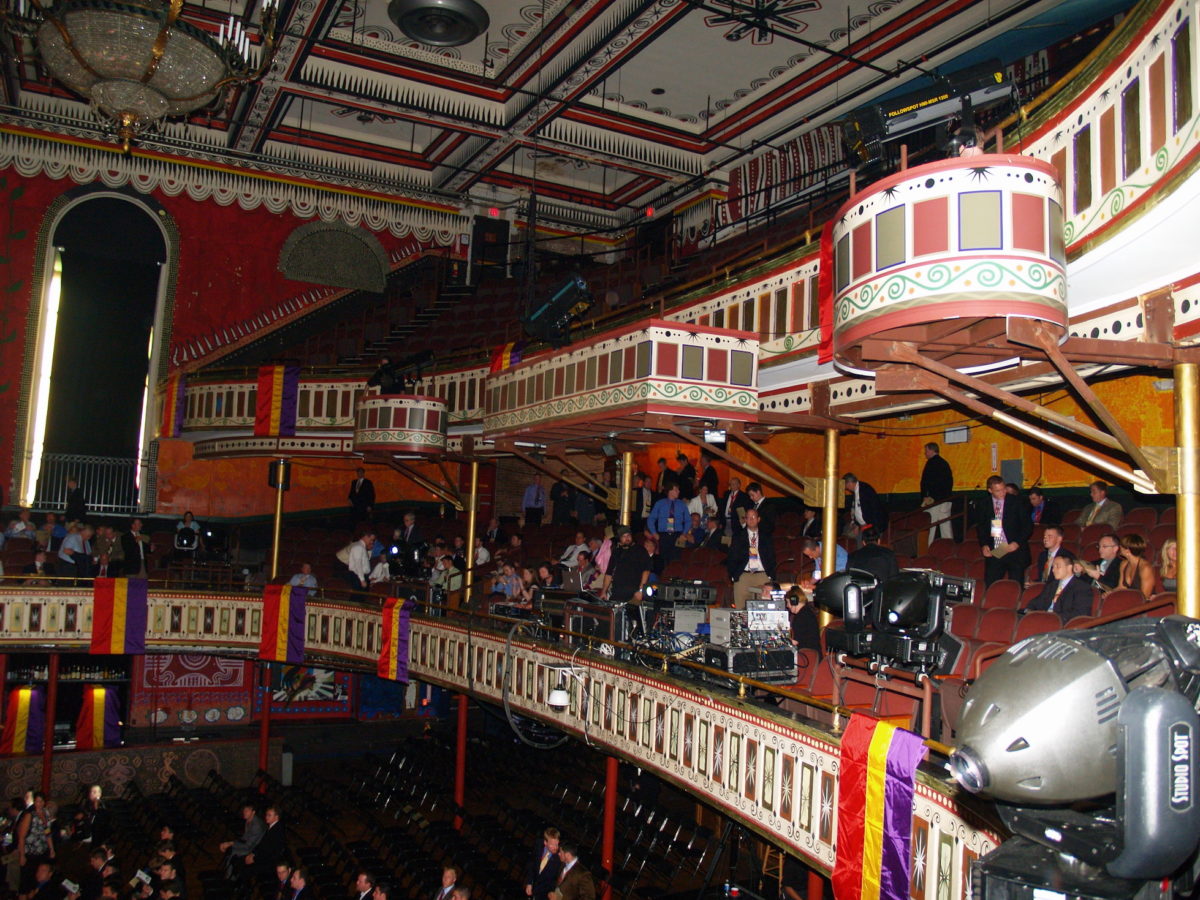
pixel 440 23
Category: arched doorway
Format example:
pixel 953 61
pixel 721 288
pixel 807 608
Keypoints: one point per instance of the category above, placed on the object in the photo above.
pixel 107 263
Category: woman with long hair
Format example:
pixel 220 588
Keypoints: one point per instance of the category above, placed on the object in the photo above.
pixel 1136 572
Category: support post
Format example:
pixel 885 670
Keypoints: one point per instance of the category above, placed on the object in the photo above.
pixel 472 511
pixel 829 513
pixel 460 763
pixel 626 487
pixel 264 724
pixel 3 683
pixel 280 486
pixel 816 885
pixel 1187 501
pixel 609 826
pixel 51 714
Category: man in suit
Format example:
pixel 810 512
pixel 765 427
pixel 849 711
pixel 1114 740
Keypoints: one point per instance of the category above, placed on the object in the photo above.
pixel 410 534
pixel 643 501
pixel 751 560
pixel 666 478
pixel 541 875
pixel 1052 539
pixel 562 496
pixel 40 568
pixel 364 886
pixel 1107 569
pixel 686 476
pixel 732 508
pixel 758 500
pixel 1064 593
pixel 1041 510
pixel 1101 511
pixel 575 882
pixel 299 884
pixel 136 547
pixel 810 525
pixel 282 886
pixel 362 497
pixel 450 876
pixel 494 534
pixel 873 557
pixel 712 534
pixel 708 475
pixel 1004 527
pixel 864 507
pixel 272 849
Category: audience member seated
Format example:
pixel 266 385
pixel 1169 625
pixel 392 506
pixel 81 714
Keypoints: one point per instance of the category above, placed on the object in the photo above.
pixel 805 626
pixel 1136 571
pixel 695 533
pixel 445 576
pixel 1064 593
pixel 494 535
pixel 1044 512
pixel 569 557
pixel 51 534
pixel 1101 511
pixel 1052 538
pixel 22 526
pixel 1168 565
pixel 40 570
pixel 75 555
pixel 304 578
pixel 507 587
pixel 235 851
pixel 712 536
pixel 583 577
pixel 482 555
pixel 1104 571
pixel 873 557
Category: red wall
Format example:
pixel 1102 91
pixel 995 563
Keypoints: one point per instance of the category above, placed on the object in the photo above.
pixel 226 273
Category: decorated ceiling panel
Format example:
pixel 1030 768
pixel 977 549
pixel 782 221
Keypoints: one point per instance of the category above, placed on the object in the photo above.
pixel 616 101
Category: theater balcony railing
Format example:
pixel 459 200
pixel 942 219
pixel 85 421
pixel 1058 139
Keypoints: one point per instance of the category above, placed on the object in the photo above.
pixel 612 381
pixel 772 770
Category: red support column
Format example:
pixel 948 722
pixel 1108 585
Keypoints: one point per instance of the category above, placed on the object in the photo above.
pixel 3 686
pixel 609 833
pixel 48 739
pixel 264 725
pixel 460 761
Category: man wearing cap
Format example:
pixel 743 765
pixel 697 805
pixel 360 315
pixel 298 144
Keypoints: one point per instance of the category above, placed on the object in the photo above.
pixel 626 576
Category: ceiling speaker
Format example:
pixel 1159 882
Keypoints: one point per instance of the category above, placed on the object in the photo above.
pixel 440 23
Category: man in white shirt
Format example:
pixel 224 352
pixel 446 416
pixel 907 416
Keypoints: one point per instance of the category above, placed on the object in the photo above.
pixel 359 565
pixel 570 557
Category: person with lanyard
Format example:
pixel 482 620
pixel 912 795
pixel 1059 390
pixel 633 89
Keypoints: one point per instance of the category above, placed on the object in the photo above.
pixel 668 520
pixel 1004 526
pixel 533 502
pixel 751 561
pixel 1064 593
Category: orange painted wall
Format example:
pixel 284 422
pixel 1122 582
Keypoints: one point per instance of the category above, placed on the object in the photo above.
pixel 888 453
pixel 231 488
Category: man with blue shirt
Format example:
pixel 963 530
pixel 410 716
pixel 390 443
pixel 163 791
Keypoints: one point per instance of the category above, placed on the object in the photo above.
pixel 668 520
pixel 76 553
pixel 533 502
pixel 812 549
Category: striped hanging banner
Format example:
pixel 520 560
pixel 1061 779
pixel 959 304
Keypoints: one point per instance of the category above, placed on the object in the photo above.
pixel 507 356
pixel 393 652
pixel 173 407
pixel 825 295
pixel 25 724
pixel 119 616
pixel 99 722
pixel 875 794
pixel 283 623
pixel 275 402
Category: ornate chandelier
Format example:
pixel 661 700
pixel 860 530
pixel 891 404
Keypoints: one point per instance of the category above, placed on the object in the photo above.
pixel 139 63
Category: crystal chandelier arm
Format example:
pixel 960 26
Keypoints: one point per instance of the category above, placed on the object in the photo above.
pixel 160 43
pixel 68 42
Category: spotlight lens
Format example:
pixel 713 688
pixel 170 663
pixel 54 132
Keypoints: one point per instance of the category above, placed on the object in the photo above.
pixel 968 770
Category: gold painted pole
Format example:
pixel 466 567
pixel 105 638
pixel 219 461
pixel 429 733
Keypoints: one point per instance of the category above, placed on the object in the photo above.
pixel 626 486
pixel 829 533
pixel 280 468
pixel 1187 501
pixel 469 578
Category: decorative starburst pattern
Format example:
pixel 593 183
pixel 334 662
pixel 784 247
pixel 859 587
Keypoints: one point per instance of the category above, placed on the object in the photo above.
pixel 760 20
